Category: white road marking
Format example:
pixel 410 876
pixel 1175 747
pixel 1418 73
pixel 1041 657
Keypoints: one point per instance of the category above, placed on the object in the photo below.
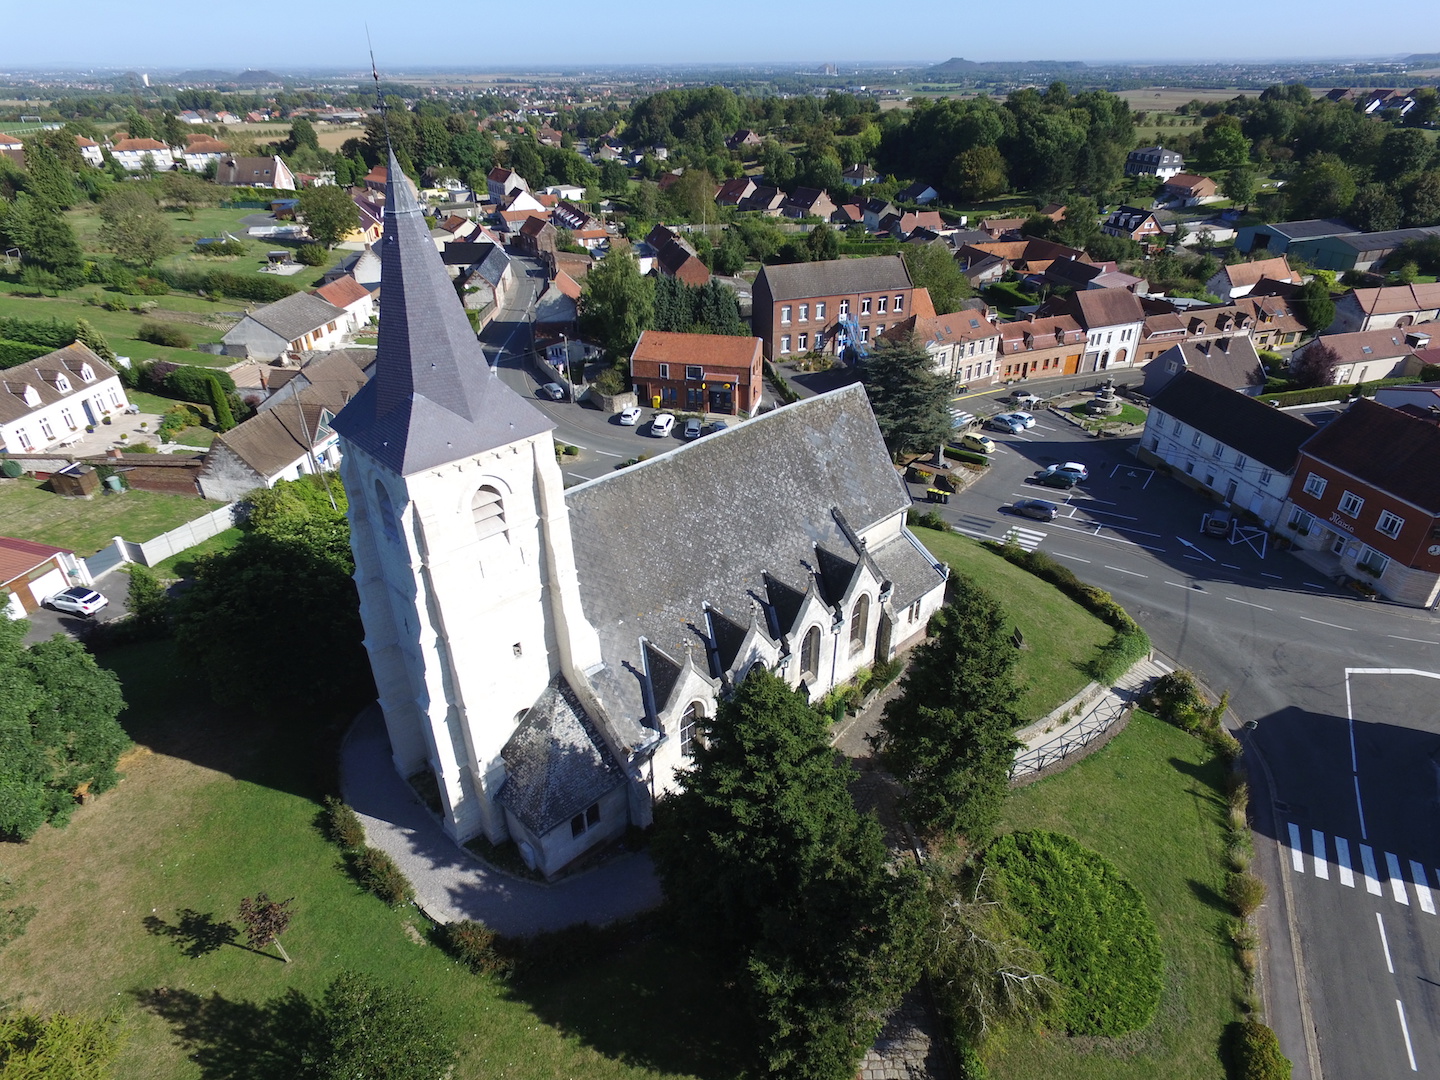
pixel 578 476
pixel 1397 883
pixel 1297 850
pixel 1122 570
pixel 1194 558
pixel 1422 888
pixel 1277 577
pixel 1111 513
pixel 607 453
pixel 1191 588
pixel 1360 809
pixel 1418 640
pixel 1067 555
pixel 1322 622
pixel 1342 856
pixel 1384 943
pixel 1317 846
pixel 1367 860
pixel 1247 603
pixel 1229 566
pixel 1312 585
pixel 1405 1030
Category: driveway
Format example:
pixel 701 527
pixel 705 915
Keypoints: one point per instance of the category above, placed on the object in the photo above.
pixel 45 624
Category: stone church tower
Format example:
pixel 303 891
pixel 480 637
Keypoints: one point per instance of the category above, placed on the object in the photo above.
pixel 462 543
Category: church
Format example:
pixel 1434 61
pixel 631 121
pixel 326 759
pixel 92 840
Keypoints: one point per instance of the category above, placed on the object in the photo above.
pixel 545 654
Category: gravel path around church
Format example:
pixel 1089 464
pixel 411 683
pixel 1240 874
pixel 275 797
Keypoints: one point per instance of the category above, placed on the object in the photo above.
pixel 452 884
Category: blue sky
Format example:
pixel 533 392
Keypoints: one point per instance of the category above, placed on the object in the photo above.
pixel 183 33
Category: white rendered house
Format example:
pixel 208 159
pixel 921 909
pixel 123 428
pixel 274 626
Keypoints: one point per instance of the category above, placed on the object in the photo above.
pixel 49 400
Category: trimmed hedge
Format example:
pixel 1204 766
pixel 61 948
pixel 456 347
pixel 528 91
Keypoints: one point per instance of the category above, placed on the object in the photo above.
pixel 262 287
pixel 1256 1053
pixel 782 386
pixel 342 825
pixel 1089 924
pixel 967 456
pixel 474 945
pixel 1337 392
pixel 18 352
pixel 168 334
pixel 378 873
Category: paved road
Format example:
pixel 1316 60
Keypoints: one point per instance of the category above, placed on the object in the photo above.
pixel 1353 756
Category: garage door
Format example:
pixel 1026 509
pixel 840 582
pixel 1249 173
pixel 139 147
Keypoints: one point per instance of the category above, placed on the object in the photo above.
pixel 53 582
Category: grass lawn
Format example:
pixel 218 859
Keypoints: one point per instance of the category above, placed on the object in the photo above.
pixel 1061 637
pixel 1153 803
pixel 182 565
pixel 1128 414
pixel 120 327
pixel 86 525
pixel 217 805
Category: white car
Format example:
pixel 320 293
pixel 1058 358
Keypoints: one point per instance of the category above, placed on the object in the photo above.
pixel 662 425
pixel 77 601
pixel 554 391
pixel 1024 418
pixel 631 416
pixel 1024 397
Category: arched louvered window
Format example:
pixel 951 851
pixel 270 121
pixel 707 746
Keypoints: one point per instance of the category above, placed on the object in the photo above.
pixel 859 623
pixel 386 509
pixel 810 654
pixel 488 513
pixel 688 729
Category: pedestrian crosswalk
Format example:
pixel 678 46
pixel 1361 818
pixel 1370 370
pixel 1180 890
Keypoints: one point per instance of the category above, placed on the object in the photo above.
pixel 1025 539
pixel 1395 877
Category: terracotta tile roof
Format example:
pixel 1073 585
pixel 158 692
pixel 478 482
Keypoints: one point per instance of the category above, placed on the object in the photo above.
pixel 706 350
pixel 1377 344
pixel 1277 269
pixel 921 304
pixel 1031 334
pixel 943 329
pixel 1398 298
pixel 21 556
pixel 1385 448
pixel 343 291
pixel 139 144
pixel 567 285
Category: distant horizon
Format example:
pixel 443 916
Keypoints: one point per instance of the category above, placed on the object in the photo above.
pixel 330 36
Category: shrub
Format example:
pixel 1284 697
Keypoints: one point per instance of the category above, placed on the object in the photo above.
pixel 378 873
pixel 194 383
pixel 966 456
pixel 1256 1053
pixel 168 334
pixel 1089 924
pixel 151 286
pixel 473 944
pixel 18 352
pixel 313 255
pixel 342 825
pixel 1117 655
pixel 1245 891
pixel 224 247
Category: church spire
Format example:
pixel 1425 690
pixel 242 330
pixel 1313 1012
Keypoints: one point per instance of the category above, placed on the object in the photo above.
pixel 433 397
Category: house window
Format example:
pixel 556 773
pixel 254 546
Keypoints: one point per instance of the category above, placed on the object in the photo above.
pixel 115 397
pixel 1240 462
pixel 1389 524
pixel 804 342
pixel 67 418
pixel 62 384
pixel 810 654
pixel 694 373
pixel 331 328
pixel 864 334
pixel 47 430
pixel 1373 561
pixel 664 371
pixel 588 820
pixel 915 611
pixel 844 308
pixel 785 343
pixel 87 373
pixel 1265 475
pixel 899 304
pixel 859 623
pixel 688 723
pixel 879 330
pixel 865 306
pixel 820 312
pixel 804 312
pixel 386 509
pixel 487 513
pixel 1219 451
pixel 1315 485
pixel 1196 440
pixel 1175 425
pixel 1350 504
pixel 785 315
pixel 880 305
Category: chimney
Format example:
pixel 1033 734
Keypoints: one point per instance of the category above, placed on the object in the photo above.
pixel 115 452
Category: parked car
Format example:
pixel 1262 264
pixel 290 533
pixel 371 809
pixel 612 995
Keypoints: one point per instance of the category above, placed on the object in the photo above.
pixel 960 419
pixel 1024 418
pixel 977 444
pixel 630 416
pixel 1072 468
pixel 554 391
pixel 1006 423
pixel 1024 397
pixel 1054 479
pixel 692 428
pixel 78 601
pixel 662 424
pixel 717 425
pixel 1038 509
pixel 1218 523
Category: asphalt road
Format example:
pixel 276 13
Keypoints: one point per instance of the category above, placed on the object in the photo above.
pixel 1350 743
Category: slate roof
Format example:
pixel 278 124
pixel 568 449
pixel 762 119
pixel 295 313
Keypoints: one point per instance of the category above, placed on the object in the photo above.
pixel 732 518
pixel 836 277
pixel 296 315
pixel 434 398
pixel 1230 362
pixel 1107 307
pixel 556 762
pixel 1311 228
pixel 1356 348
pixel 1243 423
pixel 1386 448
pixel 40 374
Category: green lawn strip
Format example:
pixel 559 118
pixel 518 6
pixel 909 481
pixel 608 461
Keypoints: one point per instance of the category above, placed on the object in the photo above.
pixel 1060 636
pixel 84 526
pixel 1151 802
pixel 223 807
pixel 1128 414
pixel 183 564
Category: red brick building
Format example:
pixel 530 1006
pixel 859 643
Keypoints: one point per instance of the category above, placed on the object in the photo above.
pixel 826 306
pixel 712 373
pixel 1366 500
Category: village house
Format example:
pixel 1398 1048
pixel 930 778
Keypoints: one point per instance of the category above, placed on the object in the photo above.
pixel 765 200
pixel 260 172
pixel 501 183
pixel 697 373
pixel 47 401
pixel 1154 161
pixel 808 202
pixel 964 346
pixel 1227 444
pixel 829 306
pixel 860 175
pixel 201 151
pixel 297 324
pixel 919 193
pixel 745 140
pixel 135 155
pixel 90 151
pixel 734 192
pixel 30 573
pixel 352 298
pixel 1366 501
pixel 1374 354
pixel 1113 320
pixel 1231 362
pixel 1392 305
pixel 674 257
pixel 1241 279
pixel 1130 223
pixel 1037 348
pixel 1187 189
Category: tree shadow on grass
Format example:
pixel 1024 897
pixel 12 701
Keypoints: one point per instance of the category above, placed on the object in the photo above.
pixel 238 1040
pixel 1211 774
pixel 1210 898
pixel 196 934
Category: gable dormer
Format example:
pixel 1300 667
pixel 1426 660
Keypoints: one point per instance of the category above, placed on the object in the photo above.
pixel 25 392
pixel 81 368
pixel 58 380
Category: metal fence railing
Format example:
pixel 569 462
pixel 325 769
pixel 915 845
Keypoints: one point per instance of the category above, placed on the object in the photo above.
pixel 1036 760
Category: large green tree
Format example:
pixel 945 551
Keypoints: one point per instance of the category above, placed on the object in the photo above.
pixel 617 304
pixel 977 174
pixel 1313 305
pixel 329 213
pixel 765 858
pixel 132 226
pixel 46 241
pixel 58 729
pixel 947 737
pixel 933 267
pixel 1323 187
pixel 911 400
pixel 50 179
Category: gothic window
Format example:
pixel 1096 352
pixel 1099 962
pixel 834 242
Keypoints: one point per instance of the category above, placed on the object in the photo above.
pixel 386 509
pixel 859 623
pixel 810 654
pixel 488 513
pixel 688 732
